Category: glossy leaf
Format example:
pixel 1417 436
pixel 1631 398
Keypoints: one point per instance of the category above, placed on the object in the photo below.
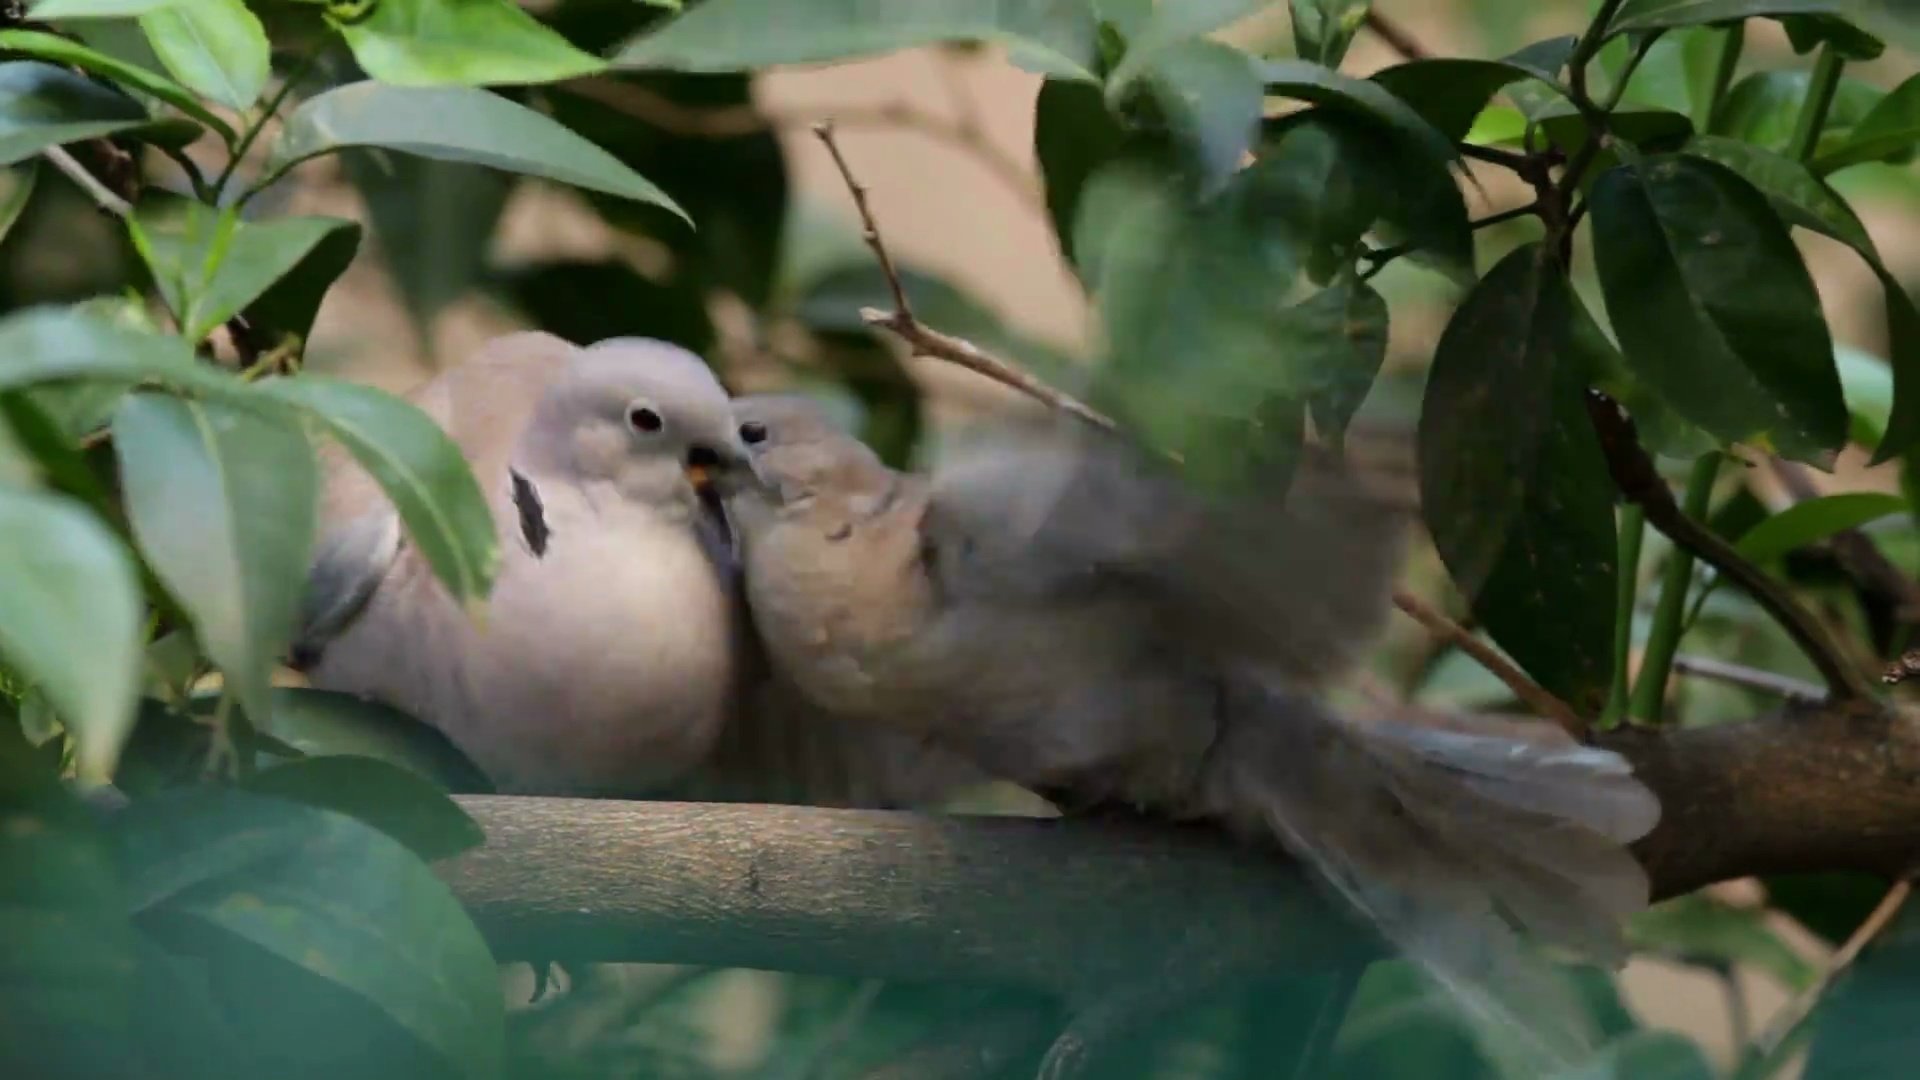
pixel 1713 306
pixel 1815 520
pixel 395 800
pixel 1889 132
pixel 454 124
pixel 1641 15
pixel 61 50
pixel 1701 929
pixel 1451 92
pixel 70 619
pixel 1323 29
pixel 327 722
pixel 1809 32
pixel 331 896
pixel 222 502
pixel 418 466
pixel 463 43
pixel 1513 486
pixel 42 105
pixel 16 190
pixel 1861 1026
pixel 210 265
pixel 1054 37
pixel 1074 134
pixel 1331 90
pixel 46 344
pixel 217 48
pixel 1763 106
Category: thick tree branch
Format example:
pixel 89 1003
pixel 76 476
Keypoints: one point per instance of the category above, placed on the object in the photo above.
pixel 1075 906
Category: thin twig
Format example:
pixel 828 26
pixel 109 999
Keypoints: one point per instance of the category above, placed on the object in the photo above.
pixel 1767 682
pixel 103 196
pixel 926 341
pixel 1396 38
pixel 1537 697
pixel 731 122
pixel 1788 1019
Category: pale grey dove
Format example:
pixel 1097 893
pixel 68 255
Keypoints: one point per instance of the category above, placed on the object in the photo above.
pixel 1055 608
pixel 606 660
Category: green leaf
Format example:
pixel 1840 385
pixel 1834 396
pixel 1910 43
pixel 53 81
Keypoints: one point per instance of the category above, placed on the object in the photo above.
pixel 454 124
pixel 1889 132
pixel 1323 29
pixel 1331 90
pixel 61 50
pixel 1055 37
pixel 420 468
pixel 42 105
pixel 395 800
pixel 1451 92
pixel 222 502
pixel 1713 306
pixel 434 221
pixel 1646 1055
pixel 461 42
pixel 1513 485
pixel 1073 136
pixel 1700 929
pixel 594 301
pixel 323 722
pixel 1861 1025
pixel 1342 342
pixel 1211 95
pixel 16 190
pixel 1641 15
pixel 1815 520
pixel 49 344
pixel 210 265
pixel 288 307
pixel 336 899
pixel 216 47
pixel 70 620
pixel 96 9
pixel 1763 107
pixel 1163 26
pixel 1809 32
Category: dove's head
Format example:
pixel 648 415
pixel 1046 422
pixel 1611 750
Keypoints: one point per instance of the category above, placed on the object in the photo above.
pixel 644 416
pixel 802 461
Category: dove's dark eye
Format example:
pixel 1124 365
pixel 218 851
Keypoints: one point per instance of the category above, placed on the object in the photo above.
pixel 753 432
pixel 645 419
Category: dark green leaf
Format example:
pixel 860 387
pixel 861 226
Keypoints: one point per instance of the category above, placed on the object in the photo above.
pixel 222 502
pixel 42 105
pixel 1647 1055
pixel 61 50
pixel 1763 107
pixel 1661 429
pixel 1809 32
pixel 1451 92
pixel 1713 306
pixel 1400 1024
pixel 434 222
pixel 1513 485
pixel 1645 126
pixel 334 898
pixel 16 189
pixel 1331 90
pixel 1322 29
pixel 397 801
pixel 1700 929
pixel 461 42
pixel 1155 27
pixel 454 124
pixel 593 301
pixel 421 469
pixel 1055 37
pixel 1889 132
pixel 1073 135
pixel 1342 342
pixel 1211 95
pixel 1815 520
pixel 70 619
pixel 210 265
pixel 96 9
pixel 288 307
pixel 1641 15
pixel 1863 1023
pixel 216 47
pixel 320 722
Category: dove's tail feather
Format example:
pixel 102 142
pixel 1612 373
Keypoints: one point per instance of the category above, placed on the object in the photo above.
pixel 1460 843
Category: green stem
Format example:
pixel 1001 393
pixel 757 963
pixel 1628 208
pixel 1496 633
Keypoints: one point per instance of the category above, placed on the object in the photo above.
pixel 1813 111
pixel 1632 65
pixel 1633 529
pixel 1663 639
pixel 1733 42
pixel 248 137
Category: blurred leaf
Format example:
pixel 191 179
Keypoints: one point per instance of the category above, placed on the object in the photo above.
pixel 210 265
pixel 42 105
pixel 1451 92
pixel 1868 383
pixel 1322 29
pixel 434 222
pixel 1155 28
pixel 1646 1055
pixel 1073 135
pixel 1341 343
pixel 1809 32
pixel 1513 485
pixel 45 344
pixel 1331 90
pixel 70 619
pixel 1054 37
pixel 395 800
pixel 334 898
pixel 460 42
pixel 1212 96
pixel 96 9
pixel 1400 1024
pixel 421 469
pixel 16 189
pixel 324 722
pixel 61 50
pixel 1641 15
pixel 1888 132
pixel 1830 905
pixel 1643 125
pixel 1698 928
pixel 1714 307
pixel 289 305
pixel 454 124
pixel 1863 1024
pixel 1763 106
pixel 216 47
pixel 1814 520
pixel 222 502
pixel 592 301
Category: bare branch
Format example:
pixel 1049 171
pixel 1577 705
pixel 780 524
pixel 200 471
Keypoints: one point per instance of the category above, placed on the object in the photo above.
pixel 1796 1011
pixel 1767 682
pixel 1537 697
pixel 1396 38
pixel 89 183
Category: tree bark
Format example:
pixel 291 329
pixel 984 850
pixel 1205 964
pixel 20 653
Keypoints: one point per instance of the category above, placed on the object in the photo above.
pixel 1073 906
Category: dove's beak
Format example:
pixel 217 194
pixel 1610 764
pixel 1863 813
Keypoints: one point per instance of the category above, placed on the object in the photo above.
pixel 721 472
